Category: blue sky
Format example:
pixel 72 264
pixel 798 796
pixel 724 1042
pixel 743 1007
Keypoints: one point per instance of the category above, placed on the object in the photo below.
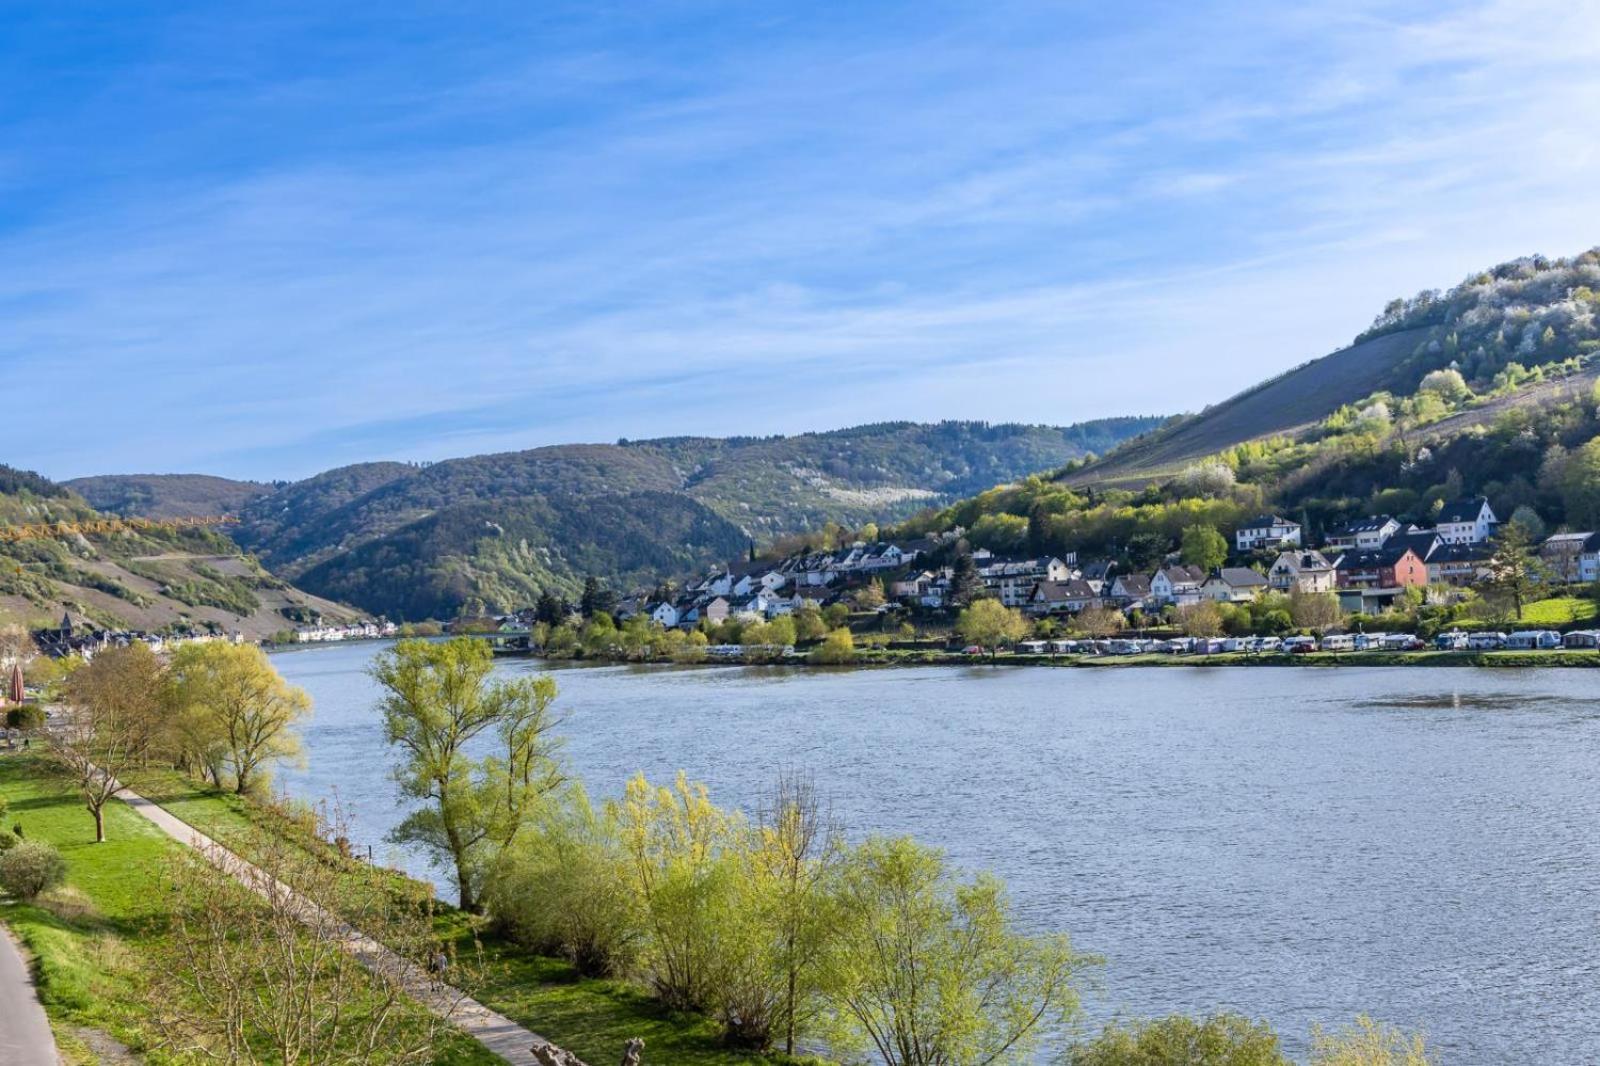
pixel 264 240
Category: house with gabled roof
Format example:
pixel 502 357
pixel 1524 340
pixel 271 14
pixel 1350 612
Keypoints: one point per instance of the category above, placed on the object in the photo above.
pixel 1461 564
pixel 1468 521
pixel 1306 570
pixel 1266 531
pixel 1062 597
pixel 1177 584
pixel 1572 558
pixel 1361 534
pixel 1234 584
pixel 1130 590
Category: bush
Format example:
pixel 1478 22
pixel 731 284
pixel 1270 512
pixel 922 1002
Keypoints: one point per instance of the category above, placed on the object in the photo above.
pixel 30 868
pixel 837 647
pixel 1221 1040
pixel 564 890
pixel 26 716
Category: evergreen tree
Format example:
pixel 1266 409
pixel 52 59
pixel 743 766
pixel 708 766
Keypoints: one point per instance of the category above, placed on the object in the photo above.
pixel 551 609
pixel 596 599
pixel 965 584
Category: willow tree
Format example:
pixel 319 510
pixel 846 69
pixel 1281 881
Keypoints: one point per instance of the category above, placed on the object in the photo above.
pixel 439 700
pixel 926 969
pixel 244 703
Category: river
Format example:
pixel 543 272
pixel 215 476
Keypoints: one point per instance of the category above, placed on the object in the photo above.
pixel 1299 844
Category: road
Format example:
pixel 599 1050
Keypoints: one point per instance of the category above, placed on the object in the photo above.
pixel 25 1038
pixel 496 1032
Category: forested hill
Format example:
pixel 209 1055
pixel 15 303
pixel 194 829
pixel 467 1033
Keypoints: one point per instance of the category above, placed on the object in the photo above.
pixel 167 495
pixel 194 579
pixel 1487 389
pixel 492 531
pixel 1496 324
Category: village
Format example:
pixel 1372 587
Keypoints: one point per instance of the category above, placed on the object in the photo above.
pixel 1366 567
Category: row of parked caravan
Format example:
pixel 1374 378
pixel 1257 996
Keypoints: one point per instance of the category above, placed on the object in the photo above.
pixel 1456 640
pixel 1523 640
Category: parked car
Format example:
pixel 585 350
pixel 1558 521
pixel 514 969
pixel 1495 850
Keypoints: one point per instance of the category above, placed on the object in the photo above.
pixel 1455 640
pixel 1263 644
pixel 1402 642
pixel 1298 645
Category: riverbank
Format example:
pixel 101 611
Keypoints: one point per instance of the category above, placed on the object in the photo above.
pixel 96 940
pixel 889 658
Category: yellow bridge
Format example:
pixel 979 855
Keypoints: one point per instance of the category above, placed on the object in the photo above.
pixel 52 530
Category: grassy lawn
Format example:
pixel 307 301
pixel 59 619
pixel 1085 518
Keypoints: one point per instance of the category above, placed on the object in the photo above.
pixel 95 940
pixel 1557 611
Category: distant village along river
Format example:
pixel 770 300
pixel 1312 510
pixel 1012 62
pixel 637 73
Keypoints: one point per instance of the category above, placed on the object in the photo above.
pixel 1297 844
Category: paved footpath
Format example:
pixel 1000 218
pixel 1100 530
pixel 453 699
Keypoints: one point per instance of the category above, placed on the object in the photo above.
pixel 496 1032
pixel 25 1038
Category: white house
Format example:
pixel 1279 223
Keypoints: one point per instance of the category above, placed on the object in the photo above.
pixel 1177 584
pixel 1013 580
pixel 1466 521
pixel 772 580
pixel 1362 534
pixel 1572 558
pixel 664 614
pixel 1308 571
pixel 1267 531
pixel 1234 584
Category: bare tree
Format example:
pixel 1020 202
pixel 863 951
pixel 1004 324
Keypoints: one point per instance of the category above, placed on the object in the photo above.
pixel 16 645
pixel 299 959
pixel 113 705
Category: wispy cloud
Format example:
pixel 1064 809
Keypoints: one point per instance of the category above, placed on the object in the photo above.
pixel 430 235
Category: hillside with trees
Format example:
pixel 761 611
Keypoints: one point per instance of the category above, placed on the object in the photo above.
pixel 1492 328
pixel 150 580
pixel 1460 414
pixel 167 495
pixel 495 531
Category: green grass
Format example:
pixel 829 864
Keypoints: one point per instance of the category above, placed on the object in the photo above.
pixel 1556 612
pixel 594 1018
pixel 591 1018
pixel 95 941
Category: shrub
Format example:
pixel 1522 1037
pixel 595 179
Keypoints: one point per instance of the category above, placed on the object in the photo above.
pixel 26 716
pixel 1221 1040
pixel 836 648
pixel 30 868
pixel 564 890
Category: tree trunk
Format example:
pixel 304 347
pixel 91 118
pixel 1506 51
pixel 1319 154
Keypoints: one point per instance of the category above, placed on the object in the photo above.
pixel 99 813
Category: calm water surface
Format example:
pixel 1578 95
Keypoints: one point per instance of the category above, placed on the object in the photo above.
pixel 1298 844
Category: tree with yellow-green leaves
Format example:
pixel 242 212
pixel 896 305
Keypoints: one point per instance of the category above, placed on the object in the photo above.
pixel 438 699
pixel 836 649
pixel 242 704
pixel 1368 1043
pixel 927 969
pixel 990 623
